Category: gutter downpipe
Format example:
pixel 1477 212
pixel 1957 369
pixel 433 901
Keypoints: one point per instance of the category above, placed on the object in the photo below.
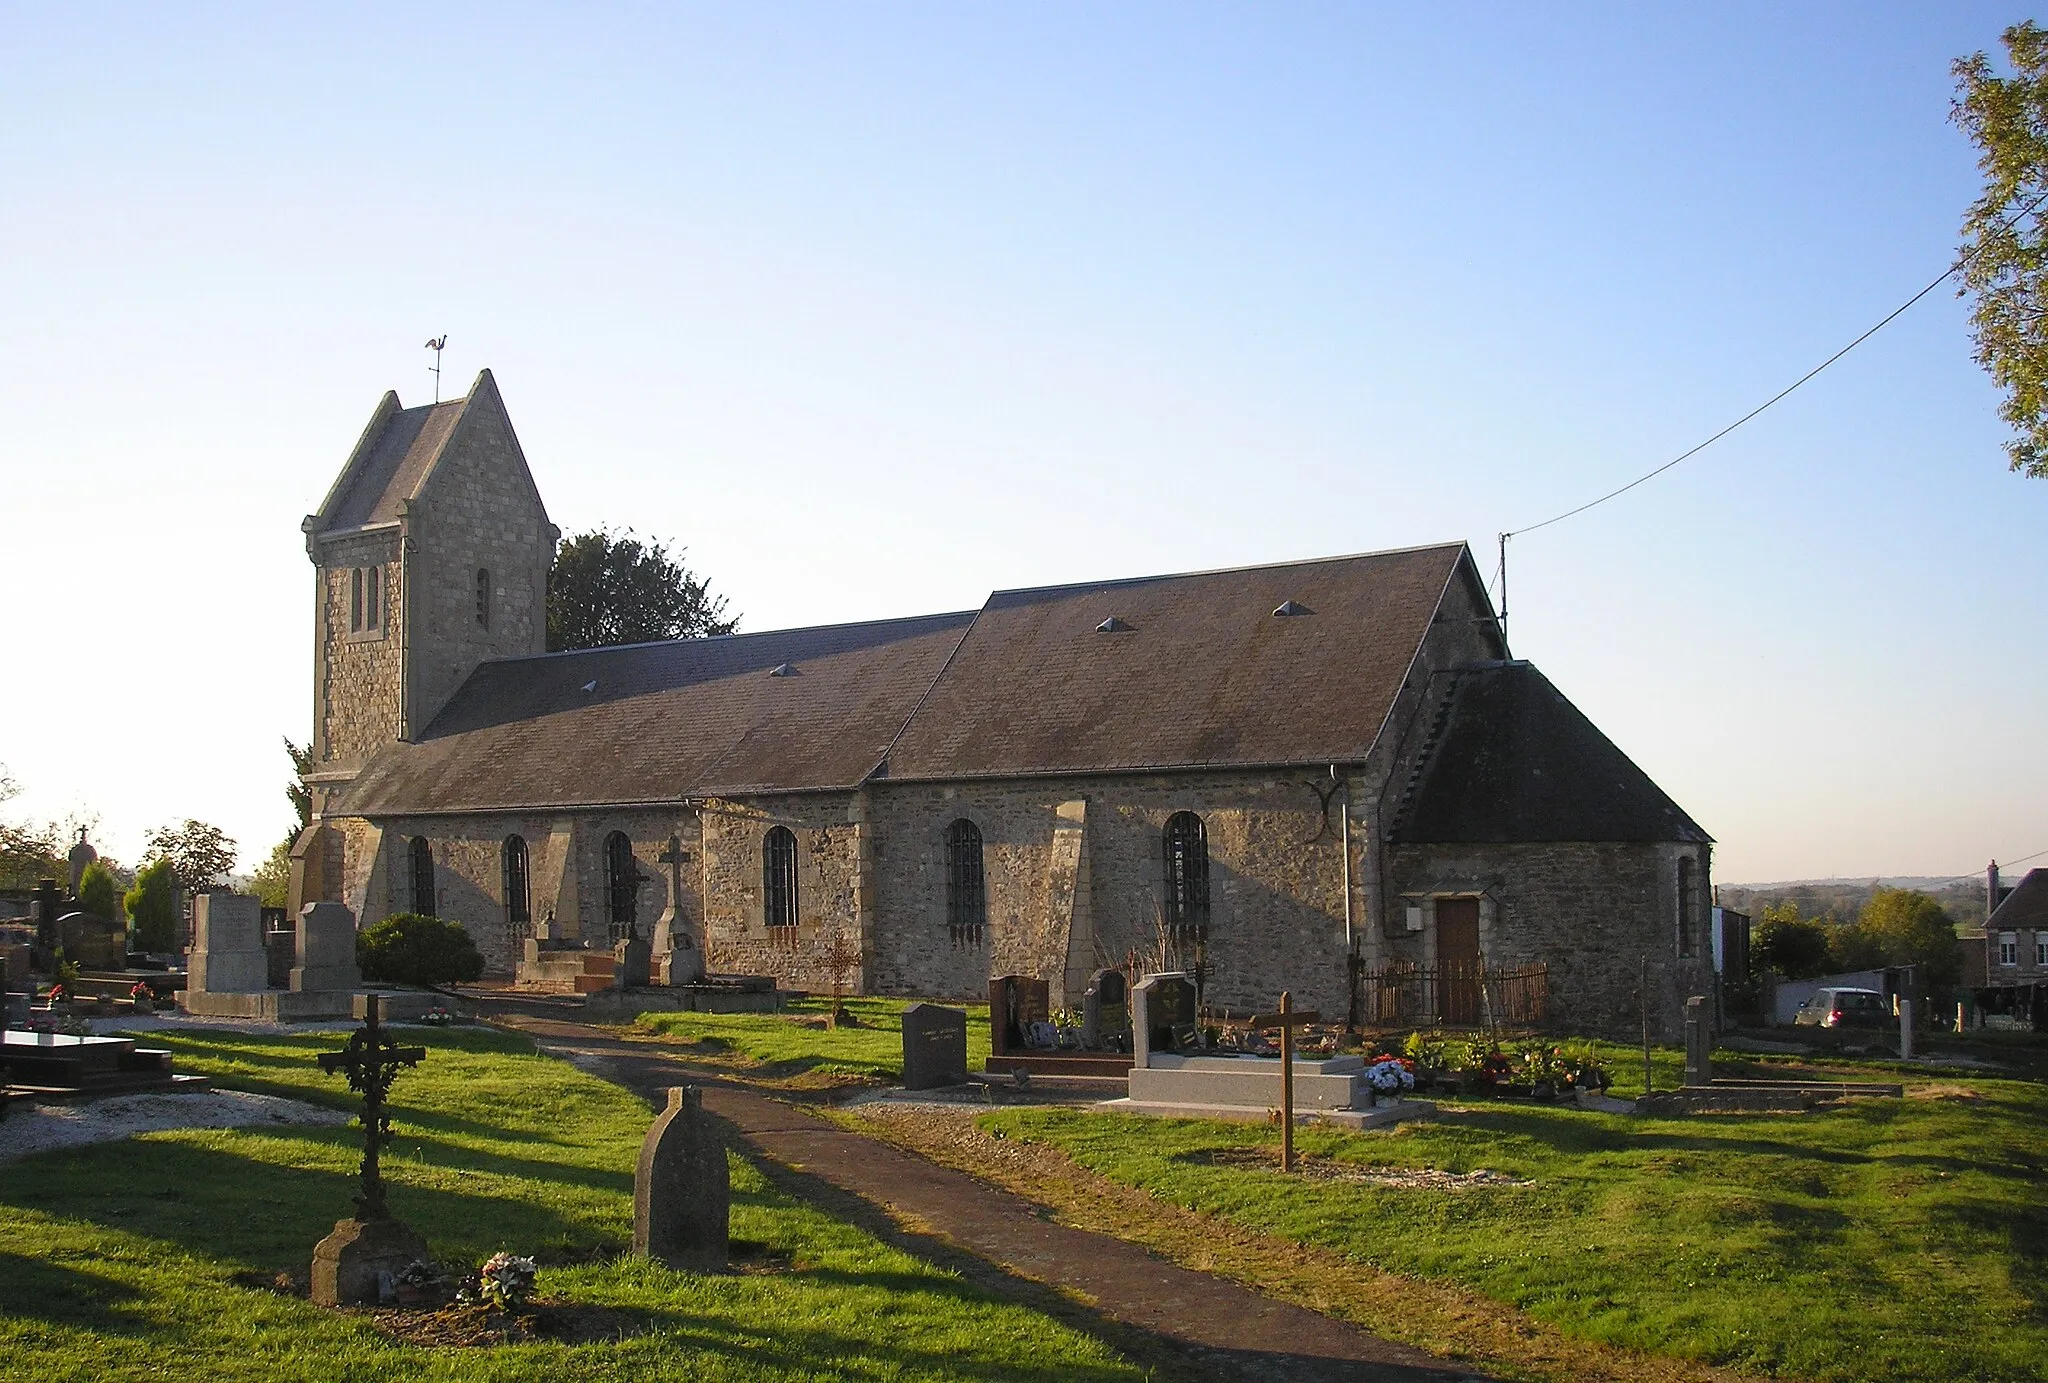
pixel 1350 929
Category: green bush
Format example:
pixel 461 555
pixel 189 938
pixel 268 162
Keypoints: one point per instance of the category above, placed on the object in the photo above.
pixel 408 948
pixel 153 907
pixel 98 894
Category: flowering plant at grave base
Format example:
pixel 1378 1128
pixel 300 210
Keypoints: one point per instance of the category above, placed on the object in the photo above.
pixel 439 1017
pixel 142 993
pixel 505 1281
pixel 1388 1074
pixel 59 994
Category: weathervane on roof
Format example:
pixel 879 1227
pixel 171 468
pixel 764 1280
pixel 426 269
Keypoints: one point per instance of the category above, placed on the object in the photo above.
pixel 434 344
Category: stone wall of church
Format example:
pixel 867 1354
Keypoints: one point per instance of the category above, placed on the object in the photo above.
pixel 1276 883
pixel 357 674
pixel 831 848
pixel 1593 913
pixel 479 512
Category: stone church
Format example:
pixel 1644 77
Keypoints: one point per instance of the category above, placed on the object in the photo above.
pixel 1288 774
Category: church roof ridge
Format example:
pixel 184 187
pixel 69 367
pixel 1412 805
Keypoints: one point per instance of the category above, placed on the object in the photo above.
pixel 737 634
pixel 1114 582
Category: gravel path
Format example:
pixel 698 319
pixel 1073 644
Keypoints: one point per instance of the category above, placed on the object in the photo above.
pixel 33 1128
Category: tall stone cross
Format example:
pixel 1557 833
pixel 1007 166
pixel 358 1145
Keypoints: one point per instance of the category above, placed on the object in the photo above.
pixel 1287 1020
pixel 677 960
pixel 371 1061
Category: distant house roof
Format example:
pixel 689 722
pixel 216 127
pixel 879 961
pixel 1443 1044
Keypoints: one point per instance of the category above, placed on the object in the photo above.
pixel 1191 671
pixel 2025 906
pixel 1514 761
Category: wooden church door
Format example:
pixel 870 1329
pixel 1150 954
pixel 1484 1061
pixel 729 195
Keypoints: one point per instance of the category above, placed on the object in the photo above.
pixel 1457 959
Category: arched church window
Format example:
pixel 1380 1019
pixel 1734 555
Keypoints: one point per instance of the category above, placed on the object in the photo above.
pixel 1688 907
pixel 621 885
pixel 518 897
pixel 966 894
pixel 483 598
pixel 423 877
pixel 1187 879
pixel 778 880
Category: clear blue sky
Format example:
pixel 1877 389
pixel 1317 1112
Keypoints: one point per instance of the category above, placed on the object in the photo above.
pixel 880 307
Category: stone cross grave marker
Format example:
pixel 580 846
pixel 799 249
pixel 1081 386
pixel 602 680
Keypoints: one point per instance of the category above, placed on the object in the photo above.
pixel 356 1262
pixel 682 1190
pixel 1160 1004
pixel 1287 1020
pixel 1699 1042
pixel 934 1047
pixel 676 957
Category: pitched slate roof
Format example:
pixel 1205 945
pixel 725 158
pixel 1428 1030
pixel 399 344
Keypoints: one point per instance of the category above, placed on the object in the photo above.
pixel 656 722
pixel 1207 674
pixel 1204 673
pixel 1513 761
pixel 2025 906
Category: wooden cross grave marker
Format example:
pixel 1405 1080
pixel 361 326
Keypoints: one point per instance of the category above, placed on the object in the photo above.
pixel 371 1061
pixel 1287 1020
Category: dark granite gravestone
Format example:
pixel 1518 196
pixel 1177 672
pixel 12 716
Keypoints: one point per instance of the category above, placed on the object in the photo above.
pixel 1105 1010
pixel 1699 1042
pixel 1159 1005
pixel 1015 1002
pixel 682 1192
pixel 633 963
pixel 934 1047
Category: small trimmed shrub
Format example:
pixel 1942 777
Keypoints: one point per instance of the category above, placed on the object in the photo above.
pixel 408 948
pixel 153 907
pixel 98 894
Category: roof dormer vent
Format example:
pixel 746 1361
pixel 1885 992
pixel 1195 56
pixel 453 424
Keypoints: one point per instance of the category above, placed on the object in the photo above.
pixel 783 670
pixel 1291 607
pixel 590 686
pixel 1113 625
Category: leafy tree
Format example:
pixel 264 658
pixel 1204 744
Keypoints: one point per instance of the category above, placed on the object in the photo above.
pixel 296 791
pixel 1795 948
pixel 98 894
pixel 607 588
pixel 153 907
pixel 28 852
pixel 198 854
pixel 2005 245
pixel 409 948
pixel 1906 927
pixel 272 881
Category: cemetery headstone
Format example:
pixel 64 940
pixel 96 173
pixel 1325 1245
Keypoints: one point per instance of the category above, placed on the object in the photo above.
pixel 93 942
pixel 357 1262
pixel 1160 1004
pixel 80 859
pixel 1105 1010
pixel 1905 1029
pixel 682 1191
pixel 677 959
pixel 1699 1042
pixel 227 946
pixel 48 904
pixel 1015 1002
pixel 633 963
pixel 934 1047
pixel 326 949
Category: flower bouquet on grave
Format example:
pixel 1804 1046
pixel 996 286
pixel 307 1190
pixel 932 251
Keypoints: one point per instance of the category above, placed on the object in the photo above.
pixel 60 994
pixel 1388 1077
pixel 142 997
pixel 504 1283
pixel 422 1282
pixel 437 1016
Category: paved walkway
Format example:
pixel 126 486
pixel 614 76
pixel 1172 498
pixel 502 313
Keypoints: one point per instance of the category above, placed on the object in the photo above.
pixel 1218 1328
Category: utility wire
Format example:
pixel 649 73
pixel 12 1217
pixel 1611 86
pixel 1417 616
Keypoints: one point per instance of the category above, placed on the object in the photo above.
pixel 1961 262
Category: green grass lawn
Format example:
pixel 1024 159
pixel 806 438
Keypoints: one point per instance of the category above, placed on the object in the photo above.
pixel 1886 1239
pixel 131 1259
pixel 792 1047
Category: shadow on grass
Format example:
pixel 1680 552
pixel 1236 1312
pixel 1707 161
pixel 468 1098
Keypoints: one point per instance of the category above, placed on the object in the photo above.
pixel 263 1215
pixel 62 1296
pixel 1572 1137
